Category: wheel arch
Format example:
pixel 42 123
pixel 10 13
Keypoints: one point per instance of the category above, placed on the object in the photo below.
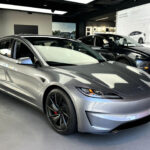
pixel 51 87
pixel 66 91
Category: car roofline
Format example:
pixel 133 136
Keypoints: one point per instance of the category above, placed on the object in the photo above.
pixel 101 34
pixel 38 36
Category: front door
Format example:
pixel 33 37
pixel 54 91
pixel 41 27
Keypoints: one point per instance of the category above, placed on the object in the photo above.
pixel 26 80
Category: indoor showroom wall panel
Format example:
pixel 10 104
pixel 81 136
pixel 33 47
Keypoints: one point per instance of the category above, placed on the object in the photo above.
pixel 1 23
pixel 135 22
pixel 9 18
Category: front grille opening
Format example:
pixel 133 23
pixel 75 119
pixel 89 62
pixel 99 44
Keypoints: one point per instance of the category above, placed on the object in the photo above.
pixel 132 124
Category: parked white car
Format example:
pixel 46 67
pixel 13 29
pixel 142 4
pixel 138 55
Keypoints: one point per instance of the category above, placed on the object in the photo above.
pixel 138 36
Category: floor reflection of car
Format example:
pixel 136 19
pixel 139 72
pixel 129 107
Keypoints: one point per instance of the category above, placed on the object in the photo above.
pixel 120 48
pixel 138 36
pixel 73 85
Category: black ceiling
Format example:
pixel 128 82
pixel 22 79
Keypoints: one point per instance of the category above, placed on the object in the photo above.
pixel 79 12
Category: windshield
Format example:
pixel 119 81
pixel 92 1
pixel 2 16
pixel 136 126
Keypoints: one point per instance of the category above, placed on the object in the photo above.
pixel 59 52
pixel 121 41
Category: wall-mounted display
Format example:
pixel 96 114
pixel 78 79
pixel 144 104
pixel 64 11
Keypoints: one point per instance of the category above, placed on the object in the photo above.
pixel 66 30
pixel 25 29
pixel 135 22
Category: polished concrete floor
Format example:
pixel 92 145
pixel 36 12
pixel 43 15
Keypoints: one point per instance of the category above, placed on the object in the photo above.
pixel 22 127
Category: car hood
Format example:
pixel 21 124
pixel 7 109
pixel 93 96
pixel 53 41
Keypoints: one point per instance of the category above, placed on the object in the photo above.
pixel 141 49
pixel 127 81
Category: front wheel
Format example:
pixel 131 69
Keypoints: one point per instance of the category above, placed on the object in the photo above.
pixel 141 41
pixel 60 112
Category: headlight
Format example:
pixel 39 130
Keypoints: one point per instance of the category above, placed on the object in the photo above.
pixel 98 94
pixel 141 64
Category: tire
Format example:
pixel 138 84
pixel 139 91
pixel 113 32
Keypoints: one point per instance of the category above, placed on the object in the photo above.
pixel 124 61
pixel 60 112
pixel 141 41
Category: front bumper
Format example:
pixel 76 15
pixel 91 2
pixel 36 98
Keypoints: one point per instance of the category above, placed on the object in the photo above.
pixel 100 116
pixel 114 123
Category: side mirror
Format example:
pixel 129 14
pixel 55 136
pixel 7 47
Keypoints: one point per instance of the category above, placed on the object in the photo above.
pixel 96 48
pixel 25 61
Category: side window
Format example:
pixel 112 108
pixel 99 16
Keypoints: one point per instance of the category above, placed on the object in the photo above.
pixel 88 40
pixel 5 48
pixel 99 41
pixel 21 51
pixel 133 33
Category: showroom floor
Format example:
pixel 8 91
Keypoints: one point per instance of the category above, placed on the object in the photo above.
pixel 23 127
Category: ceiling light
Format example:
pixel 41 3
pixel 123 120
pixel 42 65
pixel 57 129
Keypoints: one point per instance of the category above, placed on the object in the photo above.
pixel 80 1
pixel 102 19
pixel 31 9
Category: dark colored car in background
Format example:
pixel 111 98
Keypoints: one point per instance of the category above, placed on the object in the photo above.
pixel 120 48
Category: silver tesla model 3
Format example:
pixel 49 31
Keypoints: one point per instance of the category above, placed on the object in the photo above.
pixel 73 85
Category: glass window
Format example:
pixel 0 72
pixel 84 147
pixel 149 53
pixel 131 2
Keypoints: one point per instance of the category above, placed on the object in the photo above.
pixel 21 51
pixel 5 48
pixel 88 40
pixel 115 40
pixel 132 34
pixel 65 52
pixel 139 33
pixel 101 42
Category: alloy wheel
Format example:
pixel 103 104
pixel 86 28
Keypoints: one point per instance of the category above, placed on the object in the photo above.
pixel 57 111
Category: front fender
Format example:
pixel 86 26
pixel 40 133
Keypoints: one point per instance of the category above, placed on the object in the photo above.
pixel 55 85
pixel 130 60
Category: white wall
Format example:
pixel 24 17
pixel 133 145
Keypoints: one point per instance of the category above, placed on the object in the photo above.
pixel 1 23
pixel 8 18
pixel 134 19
